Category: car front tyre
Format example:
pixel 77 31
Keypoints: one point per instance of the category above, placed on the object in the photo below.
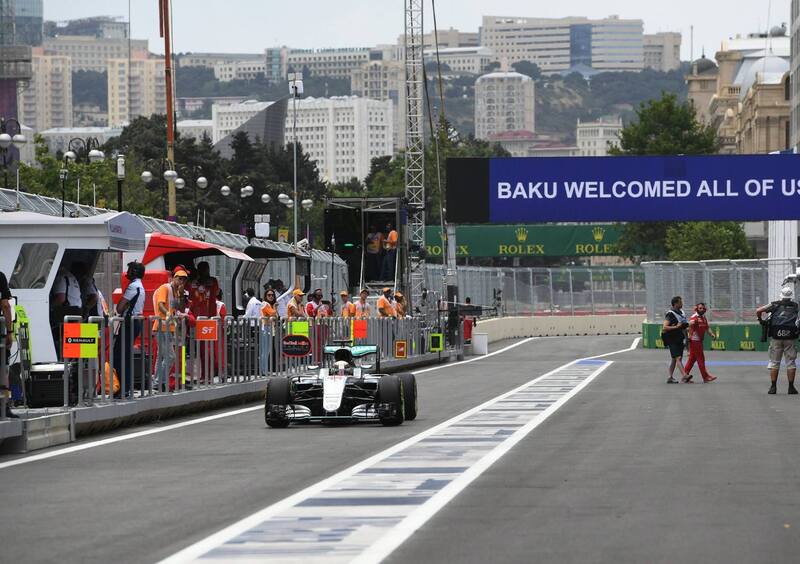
pixel 409 382
pixel 278 398
pixel 390 400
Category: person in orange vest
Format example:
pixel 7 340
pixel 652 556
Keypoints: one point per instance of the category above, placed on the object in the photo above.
pixel 295 308
pixel 168 305
pixel 400 308
pixel 390 246
pixel 385 307
pixel 363 309
pixel 348 308
pixel 269 309
pixel 374 248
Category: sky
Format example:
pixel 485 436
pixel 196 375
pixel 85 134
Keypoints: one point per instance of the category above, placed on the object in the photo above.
pixel 248 26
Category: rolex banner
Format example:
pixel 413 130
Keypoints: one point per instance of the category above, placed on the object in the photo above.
pixel 527 240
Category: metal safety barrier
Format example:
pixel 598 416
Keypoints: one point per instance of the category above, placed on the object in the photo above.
pixel 5 387
pixel 732 289
pixel 135 357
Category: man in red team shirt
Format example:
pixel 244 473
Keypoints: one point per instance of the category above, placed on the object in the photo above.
pixel 203 292
pixel 698 327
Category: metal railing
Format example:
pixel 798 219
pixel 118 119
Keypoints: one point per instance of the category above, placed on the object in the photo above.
pixel 139 357
pixel 550 291
pixel 732 290
pixel 5 387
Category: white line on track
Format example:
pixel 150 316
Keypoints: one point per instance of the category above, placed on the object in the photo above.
pixel 206 419
pixel 389 542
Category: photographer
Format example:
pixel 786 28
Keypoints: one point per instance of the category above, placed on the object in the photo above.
pixel 673 334
pixel 783 332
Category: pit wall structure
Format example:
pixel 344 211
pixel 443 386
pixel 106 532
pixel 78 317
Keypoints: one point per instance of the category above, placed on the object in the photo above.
pixel 732 337
pixel 502 328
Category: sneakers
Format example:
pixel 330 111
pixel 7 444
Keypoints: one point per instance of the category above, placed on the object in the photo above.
pixel 687 380
pixel 671 380
pixel 772 389
pixel 792 390
pixel 708 379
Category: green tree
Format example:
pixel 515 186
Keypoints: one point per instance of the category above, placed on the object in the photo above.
pixel 707 240
pixel 666 126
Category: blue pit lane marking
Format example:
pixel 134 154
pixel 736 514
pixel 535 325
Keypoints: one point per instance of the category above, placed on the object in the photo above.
pixel 356 514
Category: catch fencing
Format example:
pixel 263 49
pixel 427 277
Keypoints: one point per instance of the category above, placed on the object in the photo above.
pixel 138 357
pixel 550 291
pixel 732 289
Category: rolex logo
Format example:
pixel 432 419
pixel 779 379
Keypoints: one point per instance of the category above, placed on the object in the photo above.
pixel 598 233
pixel 521 234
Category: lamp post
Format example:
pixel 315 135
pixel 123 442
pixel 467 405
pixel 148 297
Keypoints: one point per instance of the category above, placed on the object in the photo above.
pixel 166 169
pixel 79 150
pixel 295 90
pixel 7 140
pixel 120 179
pixel 200 181
pixel 245 191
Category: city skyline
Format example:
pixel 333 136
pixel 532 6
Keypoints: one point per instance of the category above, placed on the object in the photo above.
pixel 369 23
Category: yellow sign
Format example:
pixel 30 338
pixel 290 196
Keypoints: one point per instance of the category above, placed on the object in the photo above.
pixel 718 346
pixel 747 345
pixel 283 235
pixel 298 328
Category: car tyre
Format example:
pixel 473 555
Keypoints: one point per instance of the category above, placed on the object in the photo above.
pixel 278 394
pixel 390 391
pixel 409 395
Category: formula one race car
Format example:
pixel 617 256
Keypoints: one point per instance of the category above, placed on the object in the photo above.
pixel 350 389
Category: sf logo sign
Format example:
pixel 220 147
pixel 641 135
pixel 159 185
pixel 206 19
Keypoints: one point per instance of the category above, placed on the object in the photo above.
pixel 206 330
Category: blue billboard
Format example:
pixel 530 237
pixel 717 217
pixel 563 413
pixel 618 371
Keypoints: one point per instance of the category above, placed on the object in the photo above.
pixel 647 188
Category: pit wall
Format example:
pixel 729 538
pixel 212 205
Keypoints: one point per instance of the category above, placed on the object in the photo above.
pixel 516 327
pixel 732 337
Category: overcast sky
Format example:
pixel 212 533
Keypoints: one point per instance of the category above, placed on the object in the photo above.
pixel 249 26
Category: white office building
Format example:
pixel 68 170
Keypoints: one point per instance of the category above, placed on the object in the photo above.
pixel 239 70
pixel 227 117
pixel 196 128
pixel 343 134
pixel 559 44
pixel 58 138
pixel 384 80
pixel 595 137
pixel 504 101
pixel 462 59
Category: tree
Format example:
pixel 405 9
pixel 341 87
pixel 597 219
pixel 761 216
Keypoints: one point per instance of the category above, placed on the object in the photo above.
pixel 707 240
pixel 90 87
pixel 528 68
pixel 666 127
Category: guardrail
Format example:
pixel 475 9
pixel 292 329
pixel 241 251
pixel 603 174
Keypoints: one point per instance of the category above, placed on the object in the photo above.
pixel 119 358
pixel 4 383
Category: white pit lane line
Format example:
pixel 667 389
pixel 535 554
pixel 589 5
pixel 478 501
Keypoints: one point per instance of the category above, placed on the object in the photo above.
pixel 363 513
pixel 205 419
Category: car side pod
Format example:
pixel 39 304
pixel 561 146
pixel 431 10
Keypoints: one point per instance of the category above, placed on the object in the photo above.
pixel 278 402
pixel 389 400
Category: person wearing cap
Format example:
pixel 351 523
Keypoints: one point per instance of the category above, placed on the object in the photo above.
pixel 400 308
pixel 314 303
pixel 363 309
pixel 168 305
pixel 294 309
pixel 384 306
pixel 348 308
pixel 203 292
pixel 783 333
pixel 390 246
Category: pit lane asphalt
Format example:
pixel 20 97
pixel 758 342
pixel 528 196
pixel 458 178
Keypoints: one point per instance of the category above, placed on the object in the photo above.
pixel 143 499
pixel 634 470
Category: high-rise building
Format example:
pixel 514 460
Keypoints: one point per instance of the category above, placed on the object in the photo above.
pixel 275 63
pixel 448 39
pixel 343 134
pixel 28 22
pixel 559 45
pixel 15 60
pixel 93 53
pixel 46 101
pixel 135 90
pixel 662 51
pixel 597 136
pixel 228 117
pixel 384 80
pixel 504 101
pixel 336 63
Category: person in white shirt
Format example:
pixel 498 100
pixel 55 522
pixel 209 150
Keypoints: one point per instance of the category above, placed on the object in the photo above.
pixel 130 305
pixel 254 305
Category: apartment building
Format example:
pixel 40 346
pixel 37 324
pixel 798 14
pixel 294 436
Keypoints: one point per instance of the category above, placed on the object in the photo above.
pixel 594 138
pixel 473 60
pixel 92 53
pixel 240 70
pixel 384 80
pixel 559 44
pixel 138 89
pixel 337 63
pixel 504 101
pixel 662 51
pixel 46 100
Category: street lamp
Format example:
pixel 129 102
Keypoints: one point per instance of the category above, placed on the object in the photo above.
pixel 245 191
pixel 295 90
pixel 79 150
pixel 167 171
pixel 8 140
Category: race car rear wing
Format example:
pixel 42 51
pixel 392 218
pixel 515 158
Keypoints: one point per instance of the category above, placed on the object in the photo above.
pixel 357 351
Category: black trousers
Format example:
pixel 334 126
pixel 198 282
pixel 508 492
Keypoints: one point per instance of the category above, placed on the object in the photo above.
pixel 124 347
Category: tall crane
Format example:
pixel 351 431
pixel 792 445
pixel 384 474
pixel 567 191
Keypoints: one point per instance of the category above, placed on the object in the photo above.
pixel 415 150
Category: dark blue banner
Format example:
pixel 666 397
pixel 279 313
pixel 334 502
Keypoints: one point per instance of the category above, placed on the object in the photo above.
pixel 679 188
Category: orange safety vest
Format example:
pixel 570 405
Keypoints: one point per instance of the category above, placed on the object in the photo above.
pixel 268 311
pixel 349 310
pixel 294 310
pixel 385 308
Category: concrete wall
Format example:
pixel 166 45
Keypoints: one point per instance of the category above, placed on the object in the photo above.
pixel 515 327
